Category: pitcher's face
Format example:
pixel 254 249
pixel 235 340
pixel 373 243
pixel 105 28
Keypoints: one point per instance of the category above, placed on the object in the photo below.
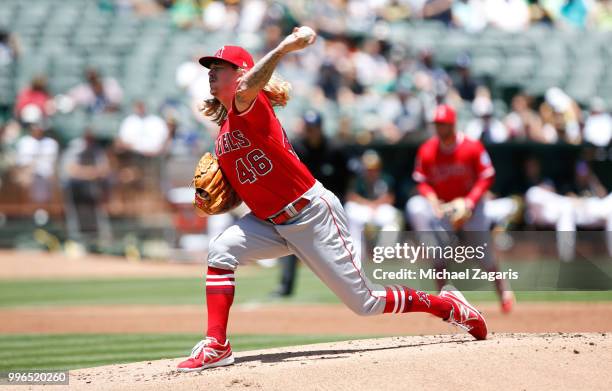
pixel 223 78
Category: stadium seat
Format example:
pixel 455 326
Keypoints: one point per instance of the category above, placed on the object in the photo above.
pixel 106 125
pixel 69 126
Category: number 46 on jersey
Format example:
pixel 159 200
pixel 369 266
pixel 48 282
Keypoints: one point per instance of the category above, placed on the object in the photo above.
pixel 255 164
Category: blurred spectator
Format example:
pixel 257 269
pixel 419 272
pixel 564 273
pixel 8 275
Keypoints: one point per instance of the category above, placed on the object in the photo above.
pixel 86 172
pixel 252 14
pixel 331 16
pixel 439 10
pixel 574 13
pixel 432 83
pixel 185 13
pixel 325 160
pixel 406 112
pixel 434 72
pixel 193 78
pixel 485 127
pixel 370 200
pixel 273 35
pixel 142 133
pixel 601 15
pixel 415 8
pixel 508 15
pixel 523 122
pixel 463 81
pixel 561 117
pixel 36 157
pixel 540 13
pixel 141 8
pixel 234 15
pixel 9 47
pixel 329 80
pixel 141 148
pixel 97 94
pixel 373 69
pixel 165 4
pixel 35 94
pixel 598 125
pixel 470 15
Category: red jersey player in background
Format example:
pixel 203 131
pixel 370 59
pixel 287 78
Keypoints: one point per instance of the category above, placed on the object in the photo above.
pixel 452 168
pixel 291 212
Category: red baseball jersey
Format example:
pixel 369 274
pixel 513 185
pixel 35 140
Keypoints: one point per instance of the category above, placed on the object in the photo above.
pixel 256 157
pixel 464 170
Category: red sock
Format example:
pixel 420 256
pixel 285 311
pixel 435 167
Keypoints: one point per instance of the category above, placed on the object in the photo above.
pixel 403 299
pixel 220 288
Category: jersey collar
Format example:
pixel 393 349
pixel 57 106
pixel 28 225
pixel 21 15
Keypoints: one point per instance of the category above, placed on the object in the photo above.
pixel 459 138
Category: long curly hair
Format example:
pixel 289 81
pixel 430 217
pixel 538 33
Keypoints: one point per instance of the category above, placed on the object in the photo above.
pixel 277 90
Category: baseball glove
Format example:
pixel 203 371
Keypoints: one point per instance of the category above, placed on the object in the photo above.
pixel 213 193
pixel 457 211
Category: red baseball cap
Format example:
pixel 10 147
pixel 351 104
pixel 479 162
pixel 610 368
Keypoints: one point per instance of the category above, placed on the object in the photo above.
pixel 235 55
pixel 445 114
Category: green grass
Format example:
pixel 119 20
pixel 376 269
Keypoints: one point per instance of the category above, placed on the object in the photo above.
pixel 69 351
pixel 252 287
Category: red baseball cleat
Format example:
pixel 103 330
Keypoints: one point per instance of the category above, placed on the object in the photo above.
pixel 208 353
pixel 463 315
pixel 507 301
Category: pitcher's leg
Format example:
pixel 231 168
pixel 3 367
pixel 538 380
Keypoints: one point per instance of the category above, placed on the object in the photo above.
pixel 247 240
pixel 322 240
pixel 324 244
pixel 357 217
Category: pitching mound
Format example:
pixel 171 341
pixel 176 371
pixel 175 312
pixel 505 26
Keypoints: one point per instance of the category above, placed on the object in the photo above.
pixel 509 361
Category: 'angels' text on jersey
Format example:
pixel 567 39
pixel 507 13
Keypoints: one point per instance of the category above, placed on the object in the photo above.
pixel 231 141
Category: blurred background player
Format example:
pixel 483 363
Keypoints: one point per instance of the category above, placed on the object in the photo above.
pixel 585 203
pixel 452 168
pixel 370 199
pixel 86 174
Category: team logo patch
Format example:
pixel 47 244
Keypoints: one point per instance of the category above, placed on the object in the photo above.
pixel 220 52
pixel 424 297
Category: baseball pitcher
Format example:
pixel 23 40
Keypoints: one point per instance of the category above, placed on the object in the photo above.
pixel 291 212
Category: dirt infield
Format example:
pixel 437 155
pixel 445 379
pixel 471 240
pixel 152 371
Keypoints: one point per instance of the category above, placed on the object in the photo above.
pixel 16 265
pixel 300 319
pixel 505 361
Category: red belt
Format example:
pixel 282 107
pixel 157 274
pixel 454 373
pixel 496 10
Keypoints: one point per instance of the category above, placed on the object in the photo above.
pixel 289 211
